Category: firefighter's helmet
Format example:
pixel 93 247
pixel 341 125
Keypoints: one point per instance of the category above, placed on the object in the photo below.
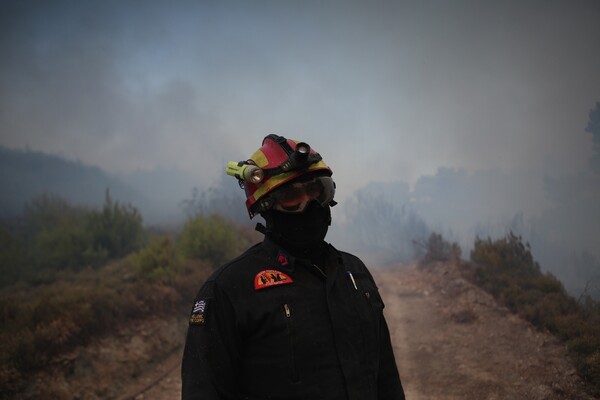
pixel 277 162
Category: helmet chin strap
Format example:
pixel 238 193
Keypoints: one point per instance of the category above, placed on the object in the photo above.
pixel 261 228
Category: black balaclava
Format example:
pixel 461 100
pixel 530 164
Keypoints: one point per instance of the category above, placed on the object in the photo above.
pixel 302 234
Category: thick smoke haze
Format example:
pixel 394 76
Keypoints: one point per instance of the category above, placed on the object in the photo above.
pixel 493 96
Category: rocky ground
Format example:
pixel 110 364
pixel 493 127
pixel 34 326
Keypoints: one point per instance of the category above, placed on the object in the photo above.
pixel 451 340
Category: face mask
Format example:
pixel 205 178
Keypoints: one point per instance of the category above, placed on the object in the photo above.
pixel 299 231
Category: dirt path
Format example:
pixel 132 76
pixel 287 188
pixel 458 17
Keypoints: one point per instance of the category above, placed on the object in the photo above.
pixel 162 383
pixel 452 341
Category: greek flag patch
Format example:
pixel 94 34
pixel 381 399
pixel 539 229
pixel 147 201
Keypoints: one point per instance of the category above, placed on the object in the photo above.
pixel 198 313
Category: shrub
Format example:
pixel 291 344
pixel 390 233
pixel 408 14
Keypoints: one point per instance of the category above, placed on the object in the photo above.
pixel 438 249
pixel 64 246
pixel 116 229
pixel 213 238
pixel 57 236
pixel 508 254
pixel 13 258
pixel 158 261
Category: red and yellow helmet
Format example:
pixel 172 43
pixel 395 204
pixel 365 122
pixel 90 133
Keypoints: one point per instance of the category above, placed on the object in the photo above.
pixel 277 162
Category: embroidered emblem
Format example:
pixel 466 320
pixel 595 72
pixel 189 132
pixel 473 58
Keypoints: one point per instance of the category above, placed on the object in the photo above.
pixel 271 277
pixel 197 317
pixel 282 258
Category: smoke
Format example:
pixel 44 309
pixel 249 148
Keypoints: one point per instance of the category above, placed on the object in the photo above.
pixel 470 104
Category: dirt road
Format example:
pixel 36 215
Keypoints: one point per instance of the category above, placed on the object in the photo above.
pixel 451 341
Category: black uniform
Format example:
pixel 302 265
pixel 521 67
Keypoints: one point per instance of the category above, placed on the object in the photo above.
pixel 271 326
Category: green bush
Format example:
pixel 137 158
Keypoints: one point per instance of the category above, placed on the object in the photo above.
pixel 213 238
pixel 57 236
pixel 116 229
pixel 64 246
pixel 13 258
pixel 158 261
pixel 438 249
pixel 508 254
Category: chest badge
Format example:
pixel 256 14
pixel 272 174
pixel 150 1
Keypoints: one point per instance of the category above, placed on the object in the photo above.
pixel 271 277
pixel 282 258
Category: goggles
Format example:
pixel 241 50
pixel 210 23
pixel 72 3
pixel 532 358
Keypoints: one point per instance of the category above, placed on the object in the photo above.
pixel 295 196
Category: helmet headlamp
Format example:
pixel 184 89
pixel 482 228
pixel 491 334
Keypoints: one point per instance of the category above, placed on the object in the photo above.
pixel 277 162
pixel 299 158
pixel 245 171
pixel 302 150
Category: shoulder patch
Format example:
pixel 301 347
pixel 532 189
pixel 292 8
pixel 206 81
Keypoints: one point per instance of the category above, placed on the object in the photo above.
pixel 271 277
pixel 198 313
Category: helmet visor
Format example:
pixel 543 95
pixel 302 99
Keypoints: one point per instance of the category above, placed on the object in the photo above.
pixel 294 197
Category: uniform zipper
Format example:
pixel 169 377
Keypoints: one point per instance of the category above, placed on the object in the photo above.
pixel 351 277
pixel 355 286
pixel 291 338
pixel 321 272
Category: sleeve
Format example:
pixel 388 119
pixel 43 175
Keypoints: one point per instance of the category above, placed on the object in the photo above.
pixel 212 350
pixel 388 379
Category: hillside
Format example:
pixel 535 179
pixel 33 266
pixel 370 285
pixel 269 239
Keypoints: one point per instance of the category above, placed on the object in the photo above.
pixel 25 174
pixel 451 339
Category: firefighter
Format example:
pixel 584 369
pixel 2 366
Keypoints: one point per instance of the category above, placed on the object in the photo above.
pixel 291 318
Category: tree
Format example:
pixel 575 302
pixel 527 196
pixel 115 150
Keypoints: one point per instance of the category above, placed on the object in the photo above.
pixel 116 229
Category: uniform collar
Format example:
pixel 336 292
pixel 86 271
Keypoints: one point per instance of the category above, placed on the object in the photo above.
pixel 287 260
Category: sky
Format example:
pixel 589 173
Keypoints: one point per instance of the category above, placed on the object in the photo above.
pixel 384 90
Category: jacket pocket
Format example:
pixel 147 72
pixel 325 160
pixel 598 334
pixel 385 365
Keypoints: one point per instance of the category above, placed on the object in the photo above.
pixel 368 309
